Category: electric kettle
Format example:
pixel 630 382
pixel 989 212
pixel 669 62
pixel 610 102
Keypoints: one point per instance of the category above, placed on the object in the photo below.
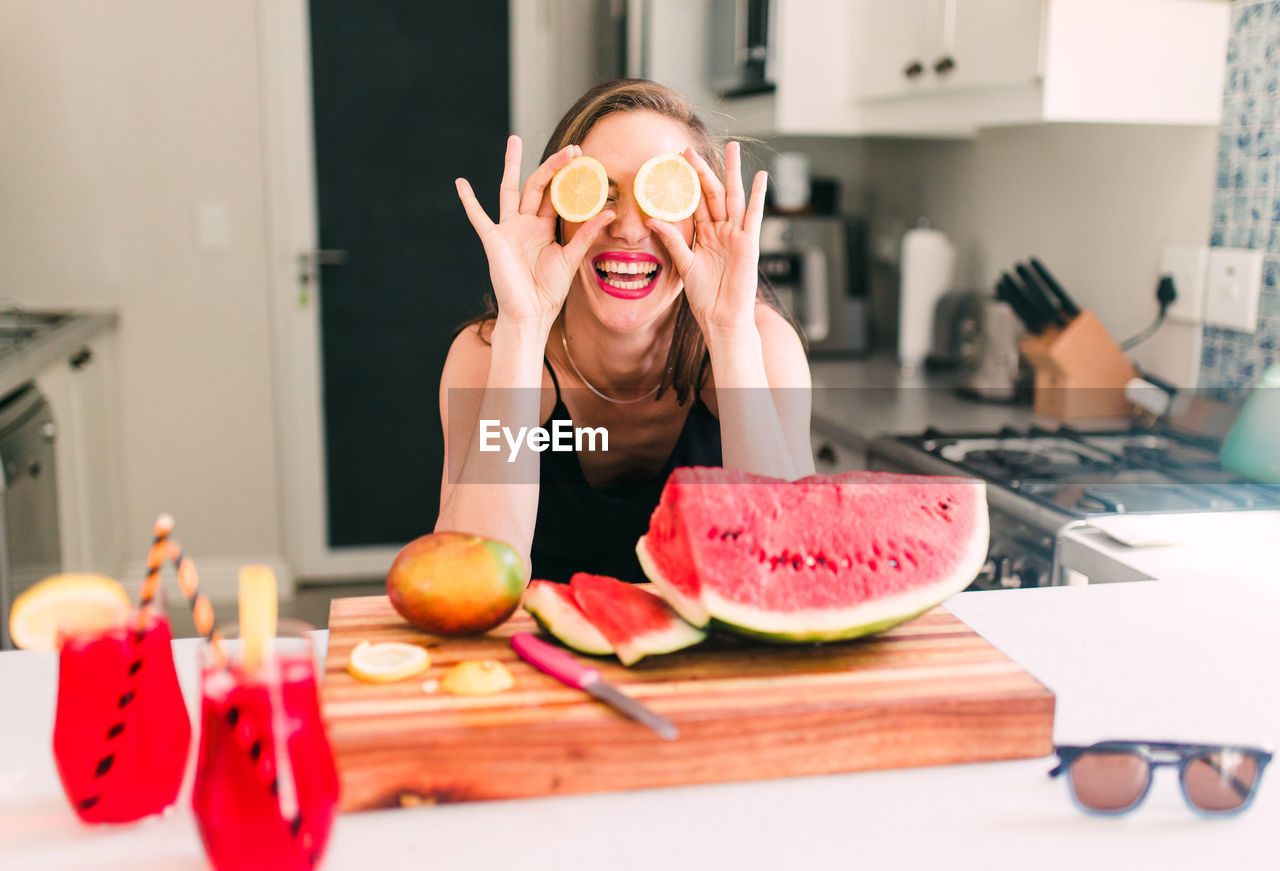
pixel 1252 447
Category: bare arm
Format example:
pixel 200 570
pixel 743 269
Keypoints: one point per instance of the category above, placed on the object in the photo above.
pixel 764 397
pixel 480 491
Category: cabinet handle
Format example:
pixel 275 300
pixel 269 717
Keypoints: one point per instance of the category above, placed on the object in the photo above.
pixel 81 358
pixel 944 65
pixel 913 70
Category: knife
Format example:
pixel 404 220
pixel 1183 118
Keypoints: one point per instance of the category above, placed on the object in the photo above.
pixel 1008 290
pixel 1068 304
pixel 562 666
pixel 1045 301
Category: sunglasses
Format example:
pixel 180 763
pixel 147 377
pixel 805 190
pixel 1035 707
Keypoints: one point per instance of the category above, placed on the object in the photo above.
pixel 1113 777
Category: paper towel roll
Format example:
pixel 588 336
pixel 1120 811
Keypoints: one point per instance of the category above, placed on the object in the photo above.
pixel 927 263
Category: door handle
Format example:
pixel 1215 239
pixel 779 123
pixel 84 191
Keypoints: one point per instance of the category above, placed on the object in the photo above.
pixel 309 263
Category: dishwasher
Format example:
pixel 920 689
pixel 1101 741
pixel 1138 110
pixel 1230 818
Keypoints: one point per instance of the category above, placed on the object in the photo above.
pixel 30 548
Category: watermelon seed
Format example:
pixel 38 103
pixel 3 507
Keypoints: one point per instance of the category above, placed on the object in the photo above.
pixel 848 563
pixel 858 556
pixel 712 532
pixel 893 562
pixel 871 564
pixel 944 506
pixel 911 560
pixel 875 549
pixel 810 561
pixel 796 561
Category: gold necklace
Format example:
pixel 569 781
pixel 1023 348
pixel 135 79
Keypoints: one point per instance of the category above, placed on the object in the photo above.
pixel 564 340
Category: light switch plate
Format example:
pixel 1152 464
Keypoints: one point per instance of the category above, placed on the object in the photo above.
pixel 1189 266
pixel 1233 289
pixel 213 227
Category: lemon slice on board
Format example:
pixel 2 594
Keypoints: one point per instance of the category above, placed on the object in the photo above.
pixel 579 190
pixel 258 612
pixel 477 677
pixel 73 603
pixel 387 662
pixel 667 187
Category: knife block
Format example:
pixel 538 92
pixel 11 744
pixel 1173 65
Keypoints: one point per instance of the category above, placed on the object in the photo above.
pixel 1080 370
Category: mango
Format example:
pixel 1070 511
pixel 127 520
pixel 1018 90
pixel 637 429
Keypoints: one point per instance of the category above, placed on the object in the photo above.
pixel 456 583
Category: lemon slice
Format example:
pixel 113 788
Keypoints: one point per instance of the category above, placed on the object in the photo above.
pixel 667 187
pixel 73 604
pixel 579 190
pixel 258 604
pixel 387 661
pixel 477 677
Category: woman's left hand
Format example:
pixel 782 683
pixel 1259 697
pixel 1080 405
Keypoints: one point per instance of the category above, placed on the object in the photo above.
pixel 720 271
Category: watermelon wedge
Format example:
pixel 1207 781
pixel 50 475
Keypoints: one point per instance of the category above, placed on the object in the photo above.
pixel 636 622
pixel 556 611
pixel 820 559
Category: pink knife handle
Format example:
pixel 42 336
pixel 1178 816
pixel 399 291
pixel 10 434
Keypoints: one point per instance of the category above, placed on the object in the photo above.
pixel 551 660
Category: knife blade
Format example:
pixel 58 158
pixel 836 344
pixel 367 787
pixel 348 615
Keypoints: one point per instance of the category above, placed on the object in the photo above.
pixel 1008 290
pixel 1068 304
pixel 562 666
pixel 1043 299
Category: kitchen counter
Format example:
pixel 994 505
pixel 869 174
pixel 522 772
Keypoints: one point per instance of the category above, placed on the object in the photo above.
pixel 1178 658
pixel 855 400
pixel 22 361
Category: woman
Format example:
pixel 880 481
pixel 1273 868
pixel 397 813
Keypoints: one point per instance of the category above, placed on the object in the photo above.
pixel 692 368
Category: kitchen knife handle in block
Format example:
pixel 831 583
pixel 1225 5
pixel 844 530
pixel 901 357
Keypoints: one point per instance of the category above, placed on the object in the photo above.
pixel 1068 304
pixel 549 659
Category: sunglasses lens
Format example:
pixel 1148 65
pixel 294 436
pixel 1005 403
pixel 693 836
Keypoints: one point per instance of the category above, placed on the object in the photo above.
pixel 1109 782
pixel 1220 781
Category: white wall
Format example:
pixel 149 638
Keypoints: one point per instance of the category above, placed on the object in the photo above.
pixel 1094 202
pixel 116 119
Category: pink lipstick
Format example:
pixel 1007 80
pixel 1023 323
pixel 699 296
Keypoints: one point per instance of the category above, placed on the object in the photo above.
pixel 626 274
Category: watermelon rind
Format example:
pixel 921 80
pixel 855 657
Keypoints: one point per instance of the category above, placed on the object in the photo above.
pixel 564 620
pixel 691 610
pixel 676 637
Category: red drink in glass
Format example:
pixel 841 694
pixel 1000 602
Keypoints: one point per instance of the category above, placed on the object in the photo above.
pixel 266 788
pixel 121 733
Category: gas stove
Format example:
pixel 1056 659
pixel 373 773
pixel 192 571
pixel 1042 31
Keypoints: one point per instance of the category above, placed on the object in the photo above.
pixel 1044 482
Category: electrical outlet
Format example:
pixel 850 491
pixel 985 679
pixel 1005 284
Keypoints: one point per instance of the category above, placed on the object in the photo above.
pixel 1189 266
pixel 1233 289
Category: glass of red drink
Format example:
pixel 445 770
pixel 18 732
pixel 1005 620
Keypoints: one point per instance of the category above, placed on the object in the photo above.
pixel 266 788
pixel 121 733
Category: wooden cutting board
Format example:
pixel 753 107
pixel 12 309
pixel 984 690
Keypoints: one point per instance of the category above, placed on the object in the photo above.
pixel 929 692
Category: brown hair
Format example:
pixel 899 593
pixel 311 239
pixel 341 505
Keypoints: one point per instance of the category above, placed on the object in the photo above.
pixel 686 361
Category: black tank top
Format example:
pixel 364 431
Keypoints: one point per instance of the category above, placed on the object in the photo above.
pixel 581 528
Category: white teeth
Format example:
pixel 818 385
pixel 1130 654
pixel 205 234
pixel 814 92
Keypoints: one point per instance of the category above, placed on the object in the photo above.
pixel 629 285
pixel 632 268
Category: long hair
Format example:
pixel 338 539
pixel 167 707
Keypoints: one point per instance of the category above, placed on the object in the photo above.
pixel 686 359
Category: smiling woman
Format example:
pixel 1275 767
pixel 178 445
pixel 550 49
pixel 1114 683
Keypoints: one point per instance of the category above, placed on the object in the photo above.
pixel 657 331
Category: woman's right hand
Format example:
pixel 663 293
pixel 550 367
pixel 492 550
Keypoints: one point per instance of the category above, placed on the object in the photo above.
pixel 531 273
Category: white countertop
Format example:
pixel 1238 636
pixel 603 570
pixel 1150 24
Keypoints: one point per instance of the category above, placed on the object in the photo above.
pixel 1181 659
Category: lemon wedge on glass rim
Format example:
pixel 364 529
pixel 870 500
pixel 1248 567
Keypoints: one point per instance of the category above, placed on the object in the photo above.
pixel 387 661
pixel 72 604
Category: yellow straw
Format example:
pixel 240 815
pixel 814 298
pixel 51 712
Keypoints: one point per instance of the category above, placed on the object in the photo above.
pixel 257 614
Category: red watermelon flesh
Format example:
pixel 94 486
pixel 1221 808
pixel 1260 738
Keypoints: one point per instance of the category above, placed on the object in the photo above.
pixel 636 622
pixel 557 612
pixel 822 558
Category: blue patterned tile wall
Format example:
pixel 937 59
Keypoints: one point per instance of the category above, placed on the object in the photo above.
pixel 1246 198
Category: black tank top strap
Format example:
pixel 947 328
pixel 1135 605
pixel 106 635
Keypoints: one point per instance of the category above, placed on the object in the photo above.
pixel 555 382
pixel 702 371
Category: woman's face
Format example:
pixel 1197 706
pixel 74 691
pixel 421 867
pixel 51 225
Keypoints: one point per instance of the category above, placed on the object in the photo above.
pixel 626 277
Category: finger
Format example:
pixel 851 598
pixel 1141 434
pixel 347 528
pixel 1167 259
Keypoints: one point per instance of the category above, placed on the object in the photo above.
pixel 509 190
pixel 535 188
pixel 712 190
pixel 755 208
pixel 735 199
pixel 576 248
pixel 475 212
pixel 681 256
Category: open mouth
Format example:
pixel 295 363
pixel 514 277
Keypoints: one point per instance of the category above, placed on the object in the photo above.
pixel 626 274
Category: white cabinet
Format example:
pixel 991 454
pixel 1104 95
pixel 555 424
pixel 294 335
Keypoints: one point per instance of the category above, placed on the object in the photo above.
pixel 951 67
pixel 81 390
pixel 921 47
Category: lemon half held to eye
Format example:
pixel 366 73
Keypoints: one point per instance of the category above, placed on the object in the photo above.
pixel 580 189
pixel 667 187
pixel 387 662
pixel 69 604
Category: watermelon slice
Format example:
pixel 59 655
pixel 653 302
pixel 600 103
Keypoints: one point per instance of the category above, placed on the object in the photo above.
pixel 556 611
pixel 636 622
pixel 820 559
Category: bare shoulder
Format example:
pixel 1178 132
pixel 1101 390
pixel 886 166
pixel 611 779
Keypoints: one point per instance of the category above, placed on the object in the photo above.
pixel 784 356
pixel 467 364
